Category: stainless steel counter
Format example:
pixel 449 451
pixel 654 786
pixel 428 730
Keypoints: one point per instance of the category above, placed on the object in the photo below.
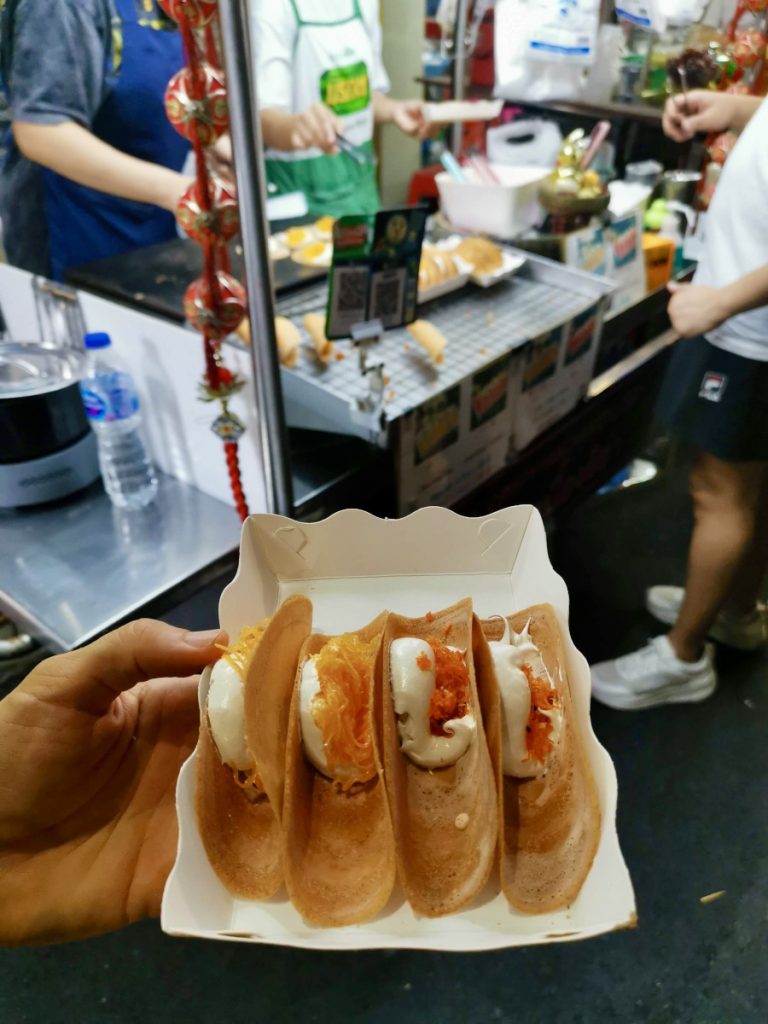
pixel 74 569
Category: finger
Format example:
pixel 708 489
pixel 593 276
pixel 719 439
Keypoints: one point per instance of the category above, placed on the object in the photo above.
pixel 91 678
pixel 316 129
pixel 672 122
pixel 695 123
pixel 328 126
pixel 673 287
pixel 301 137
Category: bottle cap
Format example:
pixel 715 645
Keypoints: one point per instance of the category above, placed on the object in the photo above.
pixel 97 340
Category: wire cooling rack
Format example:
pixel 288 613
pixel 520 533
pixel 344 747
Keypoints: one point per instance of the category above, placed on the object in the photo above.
pixel 480 325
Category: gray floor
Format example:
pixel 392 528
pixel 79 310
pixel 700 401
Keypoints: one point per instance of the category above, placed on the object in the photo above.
pixel 693 819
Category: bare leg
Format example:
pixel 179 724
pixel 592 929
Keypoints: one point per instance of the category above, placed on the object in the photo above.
pixel 726 499
pixel 748 584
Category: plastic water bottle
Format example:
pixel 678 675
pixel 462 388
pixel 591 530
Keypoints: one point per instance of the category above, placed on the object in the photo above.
pixel 112 406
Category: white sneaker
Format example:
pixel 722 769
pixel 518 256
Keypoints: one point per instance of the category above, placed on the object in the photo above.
pixel 744 632
pixel 653 675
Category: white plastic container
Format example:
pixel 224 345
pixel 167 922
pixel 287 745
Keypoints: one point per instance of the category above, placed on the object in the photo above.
pixel 504 211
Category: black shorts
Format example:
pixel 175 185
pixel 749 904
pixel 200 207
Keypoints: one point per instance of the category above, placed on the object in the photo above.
pixel 717 401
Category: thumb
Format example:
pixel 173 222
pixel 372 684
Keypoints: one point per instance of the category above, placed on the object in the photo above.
pixel 673 287
pixel 90 679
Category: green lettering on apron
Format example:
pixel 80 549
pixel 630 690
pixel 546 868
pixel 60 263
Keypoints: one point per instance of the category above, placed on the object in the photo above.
pixel 346 90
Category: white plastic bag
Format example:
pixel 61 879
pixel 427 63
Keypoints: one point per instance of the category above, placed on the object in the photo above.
pixel 563 30
pixel 655 15
pixel 542 72
pixel 524 143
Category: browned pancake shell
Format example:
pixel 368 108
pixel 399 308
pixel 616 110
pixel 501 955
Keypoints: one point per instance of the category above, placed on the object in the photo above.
pixel 339 850
pixel 241 837
pixel 442 865
pixel 551 825
pixel 268 691
pixel 240 826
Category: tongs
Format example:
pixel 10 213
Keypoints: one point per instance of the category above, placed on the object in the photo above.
pixel 360 157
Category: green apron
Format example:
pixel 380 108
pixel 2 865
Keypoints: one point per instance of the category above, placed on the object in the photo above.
pixel 334 61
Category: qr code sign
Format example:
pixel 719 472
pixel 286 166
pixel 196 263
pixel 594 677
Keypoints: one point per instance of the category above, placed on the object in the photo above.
pixel 387 296
pixel 349 300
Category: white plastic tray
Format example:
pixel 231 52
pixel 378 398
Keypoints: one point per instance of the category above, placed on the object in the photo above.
pixel 352 566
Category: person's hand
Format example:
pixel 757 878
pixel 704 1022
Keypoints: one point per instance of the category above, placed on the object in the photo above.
pixel 89 757
pixel 698 111
pixel 695 309
pixel 221 160
pixel 409 117
pixel 316 128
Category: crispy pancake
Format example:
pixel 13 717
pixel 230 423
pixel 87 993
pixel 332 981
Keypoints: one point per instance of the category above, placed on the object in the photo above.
pixel 550 826
pixel 238 815
pixel 339 850
pixel 445 819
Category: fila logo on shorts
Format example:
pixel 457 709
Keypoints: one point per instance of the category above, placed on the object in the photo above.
pixel 713 386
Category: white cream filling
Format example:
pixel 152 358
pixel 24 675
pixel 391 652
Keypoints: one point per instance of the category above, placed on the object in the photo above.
pixel 226 715
pixel 510 654
pixel 311 737
pixel 412 688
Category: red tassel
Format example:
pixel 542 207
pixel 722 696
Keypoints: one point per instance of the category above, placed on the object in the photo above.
pixel 233 464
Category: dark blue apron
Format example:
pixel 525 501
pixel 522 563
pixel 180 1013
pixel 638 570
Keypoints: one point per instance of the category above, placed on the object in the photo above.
pixel 84 224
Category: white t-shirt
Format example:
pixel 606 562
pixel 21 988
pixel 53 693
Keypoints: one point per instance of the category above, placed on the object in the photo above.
pixel 274 33
pixel 736 241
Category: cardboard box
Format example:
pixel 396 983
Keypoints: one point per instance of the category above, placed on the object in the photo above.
pixel 352 566
pixel 556 372
pixel 459 439
pixel 613 251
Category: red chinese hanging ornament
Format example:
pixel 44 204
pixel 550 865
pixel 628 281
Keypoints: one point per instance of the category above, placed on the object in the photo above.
pixel 196 104
pixel 215 304
pixel 212 223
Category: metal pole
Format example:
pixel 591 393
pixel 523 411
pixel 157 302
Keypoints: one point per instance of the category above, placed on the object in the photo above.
pixel 247 148
pixel 459 67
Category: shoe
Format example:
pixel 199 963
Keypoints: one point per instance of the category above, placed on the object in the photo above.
pixel 653 675
pixel 743 632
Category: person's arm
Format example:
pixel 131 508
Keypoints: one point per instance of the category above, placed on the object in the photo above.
pixel 696 309
pixel 408 115
pixel 72 151
pixel 705 111
pixel 89 758
pixel 273 28
pixel 52 112
pixel 315 128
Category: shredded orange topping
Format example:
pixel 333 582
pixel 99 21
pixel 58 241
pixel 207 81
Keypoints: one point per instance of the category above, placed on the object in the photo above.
pixel 450 697
pixel 423 662
pixel 430 616
pixel 538 732
pixel 342 707
pixel 238 654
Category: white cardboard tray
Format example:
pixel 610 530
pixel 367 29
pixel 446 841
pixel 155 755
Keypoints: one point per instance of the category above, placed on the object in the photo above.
pixel 352 566
pixel 511 262
pixel 451 111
